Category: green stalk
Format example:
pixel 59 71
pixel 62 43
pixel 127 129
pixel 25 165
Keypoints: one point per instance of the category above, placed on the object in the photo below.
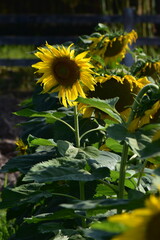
pixel 5 180
pixel 65 195
pixel 141 172
pixel 76 126
pixel 77 138
pixel 109 185
pixel 122 171
pixel 91 130
pixel 68 125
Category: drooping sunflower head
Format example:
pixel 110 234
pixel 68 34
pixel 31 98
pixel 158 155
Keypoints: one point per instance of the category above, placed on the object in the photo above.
pixel 142 223
pixel 148 111
pixel 64 72
pixel 112 47
pixel 111 86
pixel 148 67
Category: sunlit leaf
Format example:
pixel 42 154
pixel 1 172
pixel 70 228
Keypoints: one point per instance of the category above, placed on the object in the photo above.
pixel 65 148
pixel 107 106
pixel 25 162
pixel 105 159
pixel 61 214
pixel 32 141
pixel 54 115
pixel 48 172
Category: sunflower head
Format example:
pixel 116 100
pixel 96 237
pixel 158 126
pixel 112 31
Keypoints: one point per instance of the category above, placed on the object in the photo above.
pixel 64 72
pixel 149 67
pixel 112 47
pixel 21 147
pixel 148 112
pixel 141 224
pixel 111 86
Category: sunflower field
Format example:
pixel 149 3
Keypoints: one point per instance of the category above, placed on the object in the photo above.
pixel 88 158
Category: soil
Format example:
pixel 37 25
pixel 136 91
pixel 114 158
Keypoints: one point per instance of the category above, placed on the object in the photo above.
pixel 9 131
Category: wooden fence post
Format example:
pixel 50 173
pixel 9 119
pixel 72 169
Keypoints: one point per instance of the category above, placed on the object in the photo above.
pixel 129 19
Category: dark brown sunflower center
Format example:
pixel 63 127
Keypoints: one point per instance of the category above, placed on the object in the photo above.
pixel 114 48
pixel 66 71
pixel 149 71
pixel 112 88
pixel 153 228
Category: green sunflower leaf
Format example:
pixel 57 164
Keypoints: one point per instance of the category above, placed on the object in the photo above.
pixel 104 190
pixel 62 214
pixel 53 115
pixel 32 141
pixel 49 172
pixel 104 204
pixel 25 162
pixel 107 106
pixel 99 59
pixel 117 132
pixel 151 150
pixel 91 151
pixel 105 159
pixel 66 148
pixel 27 193
pixel 113 145
pixel 60 236
pixel 68 168
pixel 98 234
pixel 50 227
pixel 109 226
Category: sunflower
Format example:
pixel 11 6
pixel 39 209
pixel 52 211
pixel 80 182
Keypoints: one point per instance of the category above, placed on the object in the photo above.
pixel 21 147
pixel 112 48
pixel 112 86
pixel 148 116
pixel 63 72
pixel 147 68
pixel 142 224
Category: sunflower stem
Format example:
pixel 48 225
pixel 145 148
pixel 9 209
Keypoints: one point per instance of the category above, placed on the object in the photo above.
pixel 77 139
pixel 108 185
pixel 67 124
pixel 91 130
pixel 76 126
pixel 122 173
pixel 65 195
pixel 141 172
pixel 5 180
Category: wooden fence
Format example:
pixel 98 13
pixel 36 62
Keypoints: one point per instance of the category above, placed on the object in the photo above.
pixel 57 29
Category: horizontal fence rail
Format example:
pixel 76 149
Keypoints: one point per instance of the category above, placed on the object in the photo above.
pixel 57 29
pixel 77 19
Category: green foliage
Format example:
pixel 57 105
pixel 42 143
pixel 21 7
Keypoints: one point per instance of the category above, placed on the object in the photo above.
pixel 107 106
pixel 76 171
pixel 6 228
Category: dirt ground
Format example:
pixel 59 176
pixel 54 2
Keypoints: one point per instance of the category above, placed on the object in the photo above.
pixel 9 103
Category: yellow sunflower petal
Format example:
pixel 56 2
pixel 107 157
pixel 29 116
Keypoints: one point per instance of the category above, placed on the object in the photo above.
pixel 143 223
